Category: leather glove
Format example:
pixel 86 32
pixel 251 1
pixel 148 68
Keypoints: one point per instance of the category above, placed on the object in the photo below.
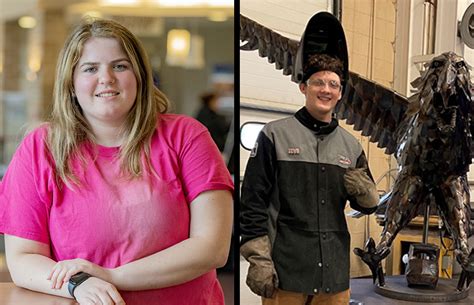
pixel 359 185
pixel 262 278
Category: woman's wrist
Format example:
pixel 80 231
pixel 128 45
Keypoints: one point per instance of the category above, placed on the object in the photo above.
pixel 113 276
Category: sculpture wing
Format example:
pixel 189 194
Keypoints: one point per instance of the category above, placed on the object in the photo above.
pixel 278 49
pixel 377 111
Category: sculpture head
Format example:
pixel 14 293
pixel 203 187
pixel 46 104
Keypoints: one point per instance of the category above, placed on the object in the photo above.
pixel 445 82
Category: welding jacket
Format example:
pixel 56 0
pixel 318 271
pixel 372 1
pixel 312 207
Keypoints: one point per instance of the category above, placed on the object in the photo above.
pixel 293 191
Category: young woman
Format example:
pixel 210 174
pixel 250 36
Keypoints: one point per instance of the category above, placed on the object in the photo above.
pixel 114 201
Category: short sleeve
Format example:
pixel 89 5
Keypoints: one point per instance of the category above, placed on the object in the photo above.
pixel 24 208
pixel 202 165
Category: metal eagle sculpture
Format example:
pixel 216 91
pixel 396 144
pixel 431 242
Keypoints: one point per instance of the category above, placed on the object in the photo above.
pixel 429 132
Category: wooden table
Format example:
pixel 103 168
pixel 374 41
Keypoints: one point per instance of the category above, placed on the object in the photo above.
pixel 12 295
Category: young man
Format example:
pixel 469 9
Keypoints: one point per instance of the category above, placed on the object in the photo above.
pixel 300 174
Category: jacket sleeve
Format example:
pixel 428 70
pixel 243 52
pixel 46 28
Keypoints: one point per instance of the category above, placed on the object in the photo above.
pixel 362 163
pixel 257 188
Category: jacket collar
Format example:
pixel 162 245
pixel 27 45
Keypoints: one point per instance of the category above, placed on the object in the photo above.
pixel 319 127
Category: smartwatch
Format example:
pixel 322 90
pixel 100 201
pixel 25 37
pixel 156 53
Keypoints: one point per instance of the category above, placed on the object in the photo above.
pixel 76 280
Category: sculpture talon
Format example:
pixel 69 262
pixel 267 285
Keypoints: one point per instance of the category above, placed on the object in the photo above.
pixel 467 274
pixel 373 257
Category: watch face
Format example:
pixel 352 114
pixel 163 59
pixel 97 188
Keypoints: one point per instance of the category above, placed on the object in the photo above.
pixel 75 281
pixel 79 278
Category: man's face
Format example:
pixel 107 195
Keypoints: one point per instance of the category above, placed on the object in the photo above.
pixel 322 91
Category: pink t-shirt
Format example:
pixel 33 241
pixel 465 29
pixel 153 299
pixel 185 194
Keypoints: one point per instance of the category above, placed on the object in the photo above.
pixel 110 220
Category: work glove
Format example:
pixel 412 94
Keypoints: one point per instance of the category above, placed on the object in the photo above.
pixel 262 278
pixel 359 185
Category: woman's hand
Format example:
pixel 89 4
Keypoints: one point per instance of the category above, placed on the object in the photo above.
pixel 63 270
pixel 95 291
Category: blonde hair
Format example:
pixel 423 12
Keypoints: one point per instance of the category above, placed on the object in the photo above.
pixel 69 128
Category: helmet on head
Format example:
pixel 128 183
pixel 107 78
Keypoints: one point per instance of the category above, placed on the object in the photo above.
pixel 323 35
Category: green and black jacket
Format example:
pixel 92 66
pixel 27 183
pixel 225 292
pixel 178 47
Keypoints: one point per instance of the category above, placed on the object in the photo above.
pixel 293 191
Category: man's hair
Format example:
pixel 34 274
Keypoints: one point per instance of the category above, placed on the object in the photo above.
pixel 322 62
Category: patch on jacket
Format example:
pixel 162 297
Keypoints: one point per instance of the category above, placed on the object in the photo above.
pixel 293 150
pixel 253 152
pixel 344 160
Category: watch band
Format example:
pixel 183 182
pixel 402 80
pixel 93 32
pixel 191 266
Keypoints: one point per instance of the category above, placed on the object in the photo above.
pixel 76 280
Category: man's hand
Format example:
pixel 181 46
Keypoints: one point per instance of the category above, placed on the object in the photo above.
pixel 262 278
pixel 63 270
pixel 96 291
pixel 359 185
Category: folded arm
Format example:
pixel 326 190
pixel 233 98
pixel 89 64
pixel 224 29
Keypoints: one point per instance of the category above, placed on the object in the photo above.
pixel 30 263
pixel 206 248
pixel 30 267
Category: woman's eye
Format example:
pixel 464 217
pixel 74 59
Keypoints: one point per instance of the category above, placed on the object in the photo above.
pixel 120 67
pixel 90 69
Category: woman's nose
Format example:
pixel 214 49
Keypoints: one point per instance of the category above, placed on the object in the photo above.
pixel 107 77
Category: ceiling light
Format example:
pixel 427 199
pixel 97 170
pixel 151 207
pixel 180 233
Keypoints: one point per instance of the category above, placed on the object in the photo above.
pixel 217 16
pixel 177 46
pixel 27 22
pixel 179 40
